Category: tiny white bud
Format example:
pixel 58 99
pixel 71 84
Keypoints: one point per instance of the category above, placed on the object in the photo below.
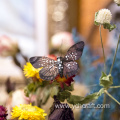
pixel 103 16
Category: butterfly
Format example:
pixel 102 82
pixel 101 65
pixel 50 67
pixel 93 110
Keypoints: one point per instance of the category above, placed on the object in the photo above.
pixel 64 66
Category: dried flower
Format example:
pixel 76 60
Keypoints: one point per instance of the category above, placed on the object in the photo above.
pixel 8 46
pixel 117 2
pixel 103 16
pixel 62 80
pixel 31 72
pixel 3 113
pixel 60 111
pixel 28 112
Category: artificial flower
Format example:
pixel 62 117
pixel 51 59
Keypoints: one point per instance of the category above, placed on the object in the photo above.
pixel 62 80
pixel 8 46
pixel 103 16
pixel 31 72
pixel 3 113
pixel 117 2
pixel 28 112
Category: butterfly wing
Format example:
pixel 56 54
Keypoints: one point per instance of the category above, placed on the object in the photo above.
pixel 70 68
pixel 38 62
pixel 49 72
pixel 74 52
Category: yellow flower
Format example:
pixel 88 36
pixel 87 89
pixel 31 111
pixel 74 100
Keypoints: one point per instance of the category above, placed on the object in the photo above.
pixel 30 71
pixel 28 112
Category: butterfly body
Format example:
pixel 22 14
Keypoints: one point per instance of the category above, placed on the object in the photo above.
pixel 64 66
pixel 60 66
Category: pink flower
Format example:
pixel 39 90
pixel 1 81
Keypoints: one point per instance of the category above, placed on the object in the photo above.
pixel 8 46
pixel 3 113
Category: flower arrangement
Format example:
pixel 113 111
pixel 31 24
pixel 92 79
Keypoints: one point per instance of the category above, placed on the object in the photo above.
pixel 60 87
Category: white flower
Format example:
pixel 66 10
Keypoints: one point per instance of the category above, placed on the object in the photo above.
pixel 117 2
pixel 63 40
pixel 103 16
pixel 18 98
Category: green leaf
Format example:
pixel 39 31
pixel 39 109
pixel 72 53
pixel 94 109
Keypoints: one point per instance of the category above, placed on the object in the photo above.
pixel 46 95
pixel 96 23
pixel 106 80
pixel 69 88
pixel 109 26
pixel 42 84
pixel 31 88
pixel 54 91
pixel 73 99
pixel 26 91
pixel 63 95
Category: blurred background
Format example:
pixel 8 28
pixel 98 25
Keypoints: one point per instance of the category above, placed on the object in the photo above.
pixel 35 27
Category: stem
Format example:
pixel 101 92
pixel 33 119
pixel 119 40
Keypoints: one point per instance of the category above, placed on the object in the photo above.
pixel 115 55
pixel 16 61
pixel 111 96
pixel 102 48
pixel 114 87
pixel 104 101
pixel 92 85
